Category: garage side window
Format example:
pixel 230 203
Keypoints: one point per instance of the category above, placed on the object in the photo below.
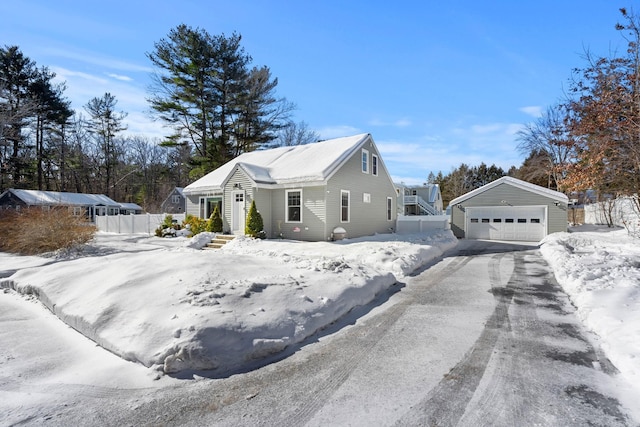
pixel 522 220
pixel 535 220
pixel 474 220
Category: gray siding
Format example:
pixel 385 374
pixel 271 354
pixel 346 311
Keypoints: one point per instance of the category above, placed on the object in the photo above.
pixel 245 184
pixel 312 227
pixel 557 215
pixel 262 197
pixel 192 205
pixel 365 218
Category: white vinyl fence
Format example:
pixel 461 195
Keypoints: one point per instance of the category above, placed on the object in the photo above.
pixel 133 224
pixel 411 224
pixel 621 212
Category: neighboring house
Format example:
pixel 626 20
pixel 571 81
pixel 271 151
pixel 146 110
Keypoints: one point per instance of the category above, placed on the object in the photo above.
pixel 130 209
pixel 307 192
pixel 89 205
pixel 419 199
pixel 175 202
pixel 509 209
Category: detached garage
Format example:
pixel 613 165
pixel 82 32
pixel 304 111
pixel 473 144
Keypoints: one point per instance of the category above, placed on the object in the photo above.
pixel 509 209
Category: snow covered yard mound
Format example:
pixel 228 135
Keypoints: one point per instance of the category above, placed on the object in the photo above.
pixel 165 303
pixel 600 270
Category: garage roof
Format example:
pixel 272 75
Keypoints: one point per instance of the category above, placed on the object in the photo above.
pixel 527 186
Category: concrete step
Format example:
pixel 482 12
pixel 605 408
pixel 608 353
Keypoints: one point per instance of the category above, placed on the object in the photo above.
pixel 219 241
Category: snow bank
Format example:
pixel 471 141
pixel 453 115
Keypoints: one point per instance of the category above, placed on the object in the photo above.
pixel 168 305
pixel 601 273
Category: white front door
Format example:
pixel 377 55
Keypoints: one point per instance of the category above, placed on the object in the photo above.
pixel 237 212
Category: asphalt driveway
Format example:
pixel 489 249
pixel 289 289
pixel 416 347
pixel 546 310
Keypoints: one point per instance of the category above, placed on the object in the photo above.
pixel 483 337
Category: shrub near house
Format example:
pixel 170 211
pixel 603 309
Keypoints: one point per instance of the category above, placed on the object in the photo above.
pixel 34 231
pixel 255 225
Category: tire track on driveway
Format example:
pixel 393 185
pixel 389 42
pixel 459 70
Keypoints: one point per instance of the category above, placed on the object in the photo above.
pixel 533 364
pixel 447 402
pixel 364 338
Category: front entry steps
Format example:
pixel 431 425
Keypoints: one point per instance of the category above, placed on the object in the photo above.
pixel 219 241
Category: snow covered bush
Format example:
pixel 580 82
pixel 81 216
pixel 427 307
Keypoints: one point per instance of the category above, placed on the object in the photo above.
pixel 36 231
pixel 195 224
pixel 168 228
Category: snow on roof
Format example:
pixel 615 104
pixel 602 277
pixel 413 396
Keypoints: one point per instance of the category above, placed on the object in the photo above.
pixel 130 206
pixel 282 165
pixel 39 197
pixel 516 183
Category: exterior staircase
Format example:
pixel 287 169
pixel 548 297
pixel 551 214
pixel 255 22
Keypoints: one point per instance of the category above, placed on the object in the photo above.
pixel 425 207
pixel 219 241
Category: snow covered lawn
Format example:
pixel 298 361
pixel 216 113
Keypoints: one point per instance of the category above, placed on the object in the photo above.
pixel 171 306
pixel 600 270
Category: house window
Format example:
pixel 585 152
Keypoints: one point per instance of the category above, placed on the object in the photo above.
pixel 208 204
pixel 77 211
pixel 344 206
pixel 389 207
pixel 175 199
pixel 294 206
pixel 374 165
pixel 366 198
pixel 365 161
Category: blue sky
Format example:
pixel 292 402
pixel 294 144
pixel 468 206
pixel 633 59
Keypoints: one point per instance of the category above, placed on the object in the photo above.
pixel 436 83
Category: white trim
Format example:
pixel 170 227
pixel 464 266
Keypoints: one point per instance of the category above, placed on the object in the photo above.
pixel 238 224
pixel 375 164
pixel 523 185
pixel 286 205
pixel 202 205
pixel 364 161
pixel 348 193
pixel 498 224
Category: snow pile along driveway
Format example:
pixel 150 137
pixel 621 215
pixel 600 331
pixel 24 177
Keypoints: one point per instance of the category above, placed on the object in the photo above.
pixel 165 303
pixel 601 273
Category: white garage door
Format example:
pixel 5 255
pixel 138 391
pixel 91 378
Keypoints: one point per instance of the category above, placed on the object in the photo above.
pixel 522 223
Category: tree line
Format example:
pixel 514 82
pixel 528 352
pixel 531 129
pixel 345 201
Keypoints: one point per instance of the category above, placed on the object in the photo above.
pixel 590 140
pixel 219 106
pixel 204 89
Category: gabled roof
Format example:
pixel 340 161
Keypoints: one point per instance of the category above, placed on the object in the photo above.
pixel 51 198
pixel 314 162
pixel 527 186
